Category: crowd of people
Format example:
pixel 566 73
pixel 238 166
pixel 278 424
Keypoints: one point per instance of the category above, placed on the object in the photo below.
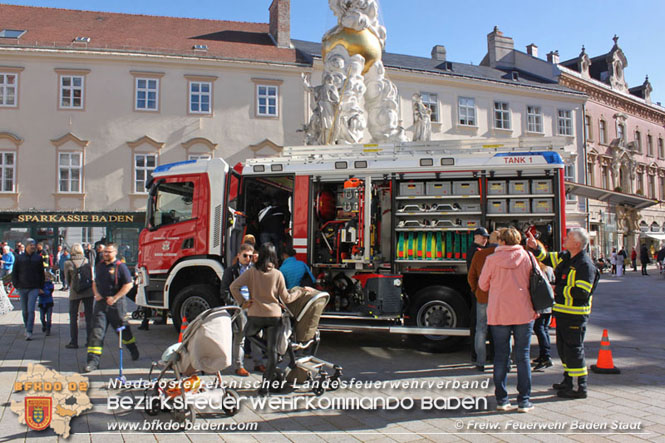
pixel 260 286
pixel 98 280
pixel 500 265
pixel 500 269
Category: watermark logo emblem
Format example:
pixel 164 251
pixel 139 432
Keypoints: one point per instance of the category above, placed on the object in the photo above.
pixel 38 412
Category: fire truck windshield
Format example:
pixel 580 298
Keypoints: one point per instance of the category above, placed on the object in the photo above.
pixel 170 203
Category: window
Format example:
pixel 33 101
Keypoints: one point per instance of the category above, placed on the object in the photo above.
pixel 534 119
pixel 11 33
pixel 266 100
pixel 565 119
pixel 199 157
pixel 8 89
pixel 7 169
pixel 606 177
pixel 620 132
pixel 662 188
pixel 661 148
pixel 501 115
pixel 147 94
pixel 71 91
pixel 569 176
pixel 638 141
pixel 173 203
pixel 144 164
pixel 640 183
pixel 432 102
pixel 652 185
pixel 649 145
pixel 591 176
pixel 587 128
pixel 467 111
pixel 602 134
pixel 69 172
pixel 200 97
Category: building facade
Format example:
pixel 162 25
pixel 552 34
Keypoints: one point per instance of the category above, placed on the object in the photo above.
pixel 625 152
pixel 90 107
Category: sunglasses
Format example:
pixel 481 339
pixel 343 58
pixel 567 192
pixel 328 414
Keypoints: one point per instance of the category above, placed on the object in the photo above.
pixel 247 255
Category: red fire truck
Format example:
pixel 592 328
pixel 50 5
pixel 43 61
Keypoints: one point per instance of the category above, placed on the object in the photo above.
pixel 385 228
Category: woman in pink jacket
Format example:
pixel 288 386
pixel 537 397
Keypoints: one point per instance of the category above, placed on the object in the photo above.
pixel 505 276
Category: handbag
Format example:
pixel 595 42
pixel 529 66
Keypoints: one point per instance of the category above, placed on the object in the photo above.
pixel 542 295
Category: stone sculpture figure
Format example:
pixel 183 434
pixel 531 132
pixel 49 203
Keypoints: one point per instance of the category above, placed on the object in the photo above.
pixel 355 94
pixel 422 119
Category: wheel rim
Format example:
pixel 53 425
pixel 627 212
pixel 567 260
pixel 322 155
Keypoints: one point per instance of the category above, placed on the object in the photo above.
pixel 436 314
pixel 193 306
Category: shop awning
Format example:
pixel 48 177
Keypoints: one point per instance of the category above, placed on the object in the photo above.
pixel 613 197
pixel 655 235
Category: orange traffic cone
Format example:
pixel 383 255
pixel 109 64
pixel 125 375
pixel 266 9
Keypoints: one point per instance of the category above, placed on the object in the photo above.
pixel 605 365
pixel 183 326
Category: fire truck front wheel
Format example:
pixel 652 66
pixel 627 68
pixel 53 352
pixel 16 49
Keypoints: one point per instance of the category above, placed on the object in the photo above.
pixel 191 301
pixel 439 307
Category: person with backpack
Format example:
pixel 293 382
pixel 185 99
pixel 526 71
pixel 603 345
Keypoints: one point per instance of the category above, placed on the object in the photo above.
pixel 112 281
pixel 78 274
pixel 576 278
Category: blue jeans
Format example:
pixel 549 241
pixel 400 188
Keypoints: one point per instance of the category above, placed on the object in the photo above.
pixel 481 334
pixel 541 328
pixel 28 303
pixel 501 335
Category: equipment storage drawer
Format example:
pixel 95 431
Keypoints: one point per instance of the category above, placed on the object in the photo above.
pixel 416 188
pixel 470 207
pixel 437 188
pixel 541 186
pixel 471 223
pixel 496 187
pixel 519 187
pixel 496 206
pixel 542 205
pixel 465 188
pixel 519 206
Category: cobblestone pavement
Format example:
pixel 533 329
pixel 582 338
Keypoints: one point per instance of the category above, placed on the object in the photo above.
pixel 629 307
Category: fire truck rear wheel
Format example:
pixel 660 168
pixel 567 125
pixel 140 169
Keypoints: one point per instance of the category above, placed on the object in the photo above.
pixel 191 301
pixel 442 307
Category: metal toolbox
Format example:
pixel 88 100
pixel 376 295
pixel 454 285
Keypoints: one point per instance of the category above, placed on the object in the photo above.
pixel 541 186
pixel 517 187
pixel 437 188
pixel 470 207
pixel 542 205
pixel 465 188
pixel 519 206
pixel 496 187
pixel 496 206
pixel 414 188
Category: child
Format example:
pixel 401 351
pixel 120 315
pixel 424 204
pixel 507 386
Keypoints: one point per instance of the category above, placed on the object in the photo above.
pixel 45 303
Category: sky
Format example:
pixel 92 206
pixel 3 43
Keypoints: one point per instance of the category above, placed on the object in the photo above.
pixel 414 26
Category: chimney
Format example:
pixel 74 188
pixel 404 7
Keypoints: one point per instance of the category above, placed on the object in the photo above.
pixel 532 50
pixel 553 57
pixel 500 49
pixel 280 23
pixel 439 53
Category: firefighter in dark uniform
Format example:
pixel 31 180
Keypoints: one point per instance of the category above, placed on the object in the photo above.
pixel 576 277
pixel 111 283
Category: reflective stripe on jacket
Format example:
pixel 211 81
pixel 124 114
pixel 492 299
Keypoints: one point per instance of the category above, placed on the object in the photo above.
pixel 574 282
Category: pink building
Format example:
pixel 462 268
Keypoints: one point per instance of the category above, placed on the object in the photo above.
pixel 624 153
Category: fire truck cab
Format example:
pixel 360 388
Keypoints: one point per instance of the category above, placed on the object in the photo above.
pixel 385 228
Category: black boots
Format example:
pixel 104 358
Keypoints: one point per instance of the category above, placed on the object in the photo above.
pixel 566 388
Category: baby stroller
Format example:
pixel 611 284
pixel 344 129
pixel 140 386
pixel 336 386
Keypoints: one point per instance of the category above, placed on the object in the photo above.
pixel 299 340
pixel 205 349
